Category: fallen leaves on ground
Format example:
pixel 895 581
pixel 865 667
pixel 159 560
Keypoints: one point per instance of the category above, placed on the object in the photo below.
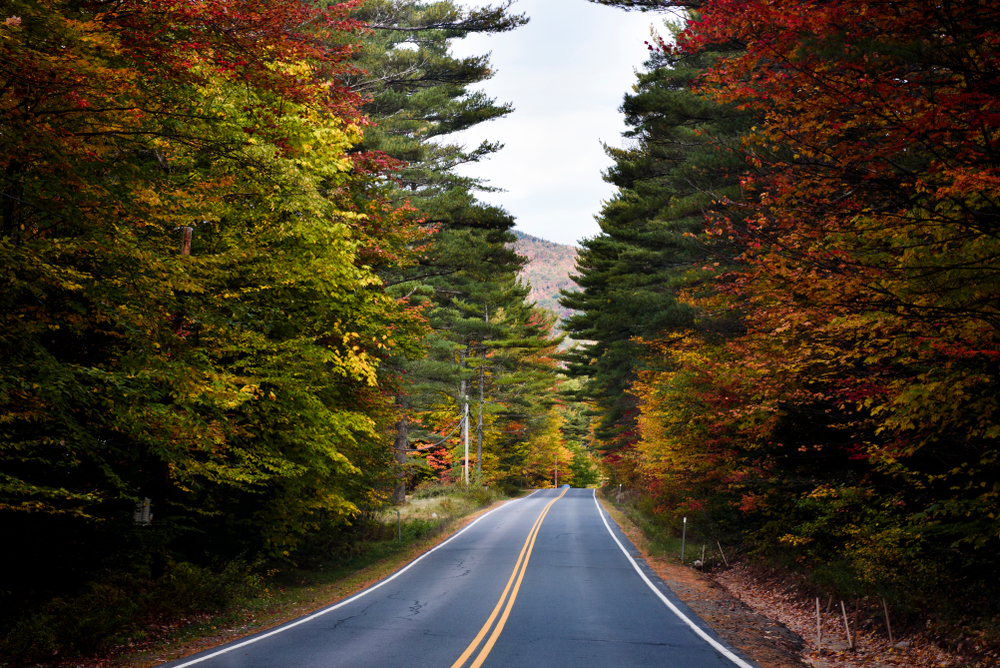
pixel 784 603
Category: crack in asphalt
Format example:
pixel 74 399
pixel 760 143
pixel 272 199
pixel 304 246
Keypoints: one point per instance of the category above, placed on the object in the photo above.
pixel 459 563
pixel 362 613
pixel 414 609
pixel 629 642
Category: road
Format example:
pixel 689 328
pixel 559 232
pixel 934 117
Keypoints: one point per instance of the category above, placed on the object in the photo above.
pixel 546 580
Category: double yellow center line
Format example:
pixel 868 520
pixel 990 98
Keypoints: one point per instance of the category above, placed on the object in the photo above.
pixel 515 579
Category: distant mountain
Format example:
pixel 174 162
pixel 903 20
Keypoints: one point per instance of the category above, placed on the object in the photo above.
pixel 548 269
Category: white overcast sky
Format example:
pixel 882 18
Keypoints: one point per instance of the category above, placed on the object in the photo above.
pixel 565 73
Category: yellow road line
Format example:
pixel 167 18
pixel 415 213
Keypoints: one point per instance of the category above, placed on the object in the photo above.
pixel 519 569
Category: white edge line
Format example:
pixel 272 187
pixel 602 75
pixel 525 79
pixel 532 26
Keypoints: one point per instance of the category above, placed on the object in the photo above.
pixel 697 629
pixel 333 607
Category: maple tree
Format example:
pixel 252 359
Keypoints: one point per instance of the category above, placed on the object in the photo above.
pixel 872 221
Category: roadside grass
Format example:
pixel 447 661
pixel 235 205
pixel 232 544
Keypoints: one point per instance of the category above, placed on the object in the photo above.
pixel 256 604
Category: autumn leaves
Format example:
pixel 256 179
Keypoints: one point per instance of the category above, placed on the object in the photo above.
pixel 837 385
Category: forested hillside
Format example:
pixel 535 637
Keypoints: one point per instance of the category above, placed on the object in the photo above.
pixel 793 302
pixel 547 271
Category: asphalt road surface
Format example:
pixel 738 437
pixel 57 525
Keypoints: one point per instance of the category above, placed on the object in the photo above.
pixel 546 580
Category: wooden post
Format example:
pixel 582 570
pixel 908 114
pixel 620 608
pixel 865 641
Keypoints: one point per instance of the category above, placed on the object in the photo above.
pixel 847 626
pixel 819 630
pixel 684 531
pixel 888 628
pixel 187 234
pixel 722 553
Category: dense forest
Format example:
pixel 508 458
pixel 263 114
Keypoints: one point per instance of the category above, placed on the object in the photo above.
pixel 792 305
pixel 246 300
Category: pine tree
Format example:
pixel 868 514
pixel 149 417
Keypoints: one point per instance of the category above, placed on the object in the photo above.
pixel 653 247
pixel 465 279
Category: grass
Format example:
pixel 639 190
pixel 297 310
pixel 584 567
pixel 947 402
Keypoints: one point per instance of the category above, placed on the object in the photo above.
pixel 657 535
pixel 651 534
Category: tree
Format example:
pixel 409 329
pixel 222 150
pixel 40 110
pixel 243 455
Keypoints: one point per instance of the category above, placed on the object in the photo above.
pixel 873 222
pixel 465 277
pixel 652 249
pixel 862 376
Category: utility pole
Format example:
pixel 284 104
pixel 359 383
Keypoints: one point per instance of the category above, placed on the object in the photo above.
pixel 465 431
pixel 556 457
pixel 479 426
pixel 482 404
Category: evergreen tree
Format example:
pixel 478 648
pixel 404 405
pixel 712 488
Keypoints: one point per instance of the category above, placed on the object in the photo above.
pixel 653 246
pixel 465 279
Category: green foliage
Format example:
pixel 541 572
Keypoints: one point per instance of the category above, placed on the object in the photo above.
pixel 584 470
pixel 652 250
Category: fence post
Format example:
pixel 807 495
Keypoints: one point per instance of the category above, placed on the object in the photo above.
pixel 819 630
pixel 683 538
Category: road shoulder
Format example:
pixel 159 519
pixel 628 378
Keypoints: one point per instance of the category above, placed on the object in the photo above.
pixel 767 642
